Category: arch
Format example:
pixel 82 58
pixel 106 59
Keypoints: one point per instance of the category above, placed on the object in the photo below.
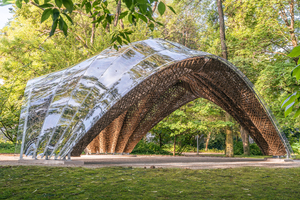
pixel 116 97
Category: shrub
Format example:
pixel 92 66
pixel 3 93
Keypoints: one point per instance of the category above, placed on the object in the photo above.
pixel 148 148
pixel 239 150
pixel 296 147
pixel 255 150
pixel 7 147
pixel 211 151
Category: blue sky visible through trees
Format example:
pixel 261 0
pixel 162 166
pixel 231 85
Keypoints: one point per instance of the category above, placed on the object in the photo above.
pixel 5 15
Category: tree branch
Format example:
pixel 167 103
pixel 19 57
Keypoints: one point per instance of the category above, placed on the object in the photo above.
pixel 118 11
pixel 31 2
pixel 93 32
pixel 154 7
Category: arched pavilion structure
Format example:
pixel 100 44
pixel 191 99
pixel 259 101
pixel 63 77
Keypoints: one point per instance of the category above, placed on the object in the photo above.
pixel 118 96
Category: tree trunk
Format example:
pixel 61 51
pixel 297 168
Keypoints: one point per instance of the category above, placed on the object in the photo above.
pixel 121 24
pixel 229 135
pixel 222 29
pixel 108 28
pixel 118 11
pixel 207 141
pixel 245 138
pixel 160 142
pixel 154 7
pixel 93 32
pixel 174 148
pixel 229 138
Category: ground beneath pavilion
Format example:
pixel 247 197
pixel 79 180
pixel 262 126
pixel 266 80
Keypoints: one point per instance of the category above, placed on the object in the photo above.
pixel 190 161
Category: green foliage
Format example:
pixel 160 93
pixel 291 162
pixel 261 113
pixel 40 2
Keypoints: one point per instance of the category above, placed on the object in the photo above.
pixel 9 113
pixel 146 148
pixel 291 102
pixel 238 149
pixel 7 147
pixel 217 141
pixel 275 89
pixel 292 134
pixel 161 8
pixel 255 150
pixel 296 147
pixel 101 13
pixel 295 52
pixel 199 117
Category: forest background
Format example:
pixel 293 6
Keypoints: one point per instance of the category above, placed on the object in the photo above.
pixel 259 36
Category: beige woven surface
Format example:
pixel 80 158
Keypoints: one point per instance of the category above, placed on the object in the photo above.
pixel 168 89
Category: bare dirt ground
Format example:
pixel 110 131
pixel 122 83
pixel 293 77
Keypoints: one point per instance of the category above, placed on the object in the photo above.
pixel 191 162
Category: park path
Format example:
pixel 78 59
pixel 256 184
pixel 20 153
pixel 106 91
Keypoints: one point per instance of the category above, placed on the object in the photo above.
pixel 190 162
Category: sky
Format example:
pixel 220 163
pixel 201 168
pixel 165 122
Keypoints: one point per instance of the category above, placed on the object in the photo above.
pixel 4 15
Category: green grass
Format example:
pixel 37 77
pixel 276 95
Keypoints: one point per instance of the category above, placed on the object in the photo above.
pixel 32 182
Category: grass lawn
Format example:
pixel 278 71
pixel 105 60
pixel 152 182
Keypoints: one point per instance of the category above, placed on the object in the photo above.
pixel 32 182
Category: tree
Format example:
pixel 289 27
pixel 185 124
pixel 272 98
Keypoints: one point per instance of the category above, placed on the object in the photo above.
pixel 9 113
pixel 245 139
pixel 292 100
pixel 229 135
pixel 99 13
pixel 260 35
pixel 183 27
pixel 199 117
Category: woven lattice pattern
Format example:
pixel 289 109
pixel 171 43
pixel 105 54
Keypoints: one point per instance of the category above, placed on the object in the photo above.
pixel 112 100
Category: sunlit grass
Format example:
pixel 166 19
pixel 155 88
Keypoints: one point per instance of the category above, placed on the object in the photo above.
pixel 32 182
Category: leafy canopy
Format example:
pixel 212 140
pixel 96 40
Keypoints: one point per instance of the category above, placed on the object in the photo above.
pixel 100 11
pixel 292 101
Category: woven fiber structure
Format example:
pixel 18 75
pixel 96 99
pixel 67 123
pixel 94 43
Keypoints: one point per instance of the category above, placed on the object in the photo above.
pixel 109 102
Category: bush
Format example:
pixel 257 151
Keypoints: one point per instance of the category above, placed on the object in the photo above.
pixel 211 151
pixel 148 148
pixel 217 141
pixel 7 147
pixel 239 150
pixel 255 150
pixel 296 147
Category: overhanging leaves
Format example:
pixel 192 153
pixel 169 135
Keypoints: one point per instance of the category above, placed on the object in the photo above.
pixel 46 14
pixel 19 3
pixel 54 25
pixel 161 8
pixel 58 3
pixel 68 4
pixel 295 52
